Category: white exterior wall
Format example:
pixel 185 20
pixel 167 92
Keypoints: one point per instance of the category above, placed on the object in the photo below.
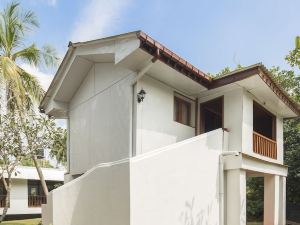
pixel 279 139
pixel 159 187
pixel 247 124
pixel 100 196
pixel 236 204
pixel 19 199
pixel 178 184
pixel 155 117
pixel 232 115
pixel 100 118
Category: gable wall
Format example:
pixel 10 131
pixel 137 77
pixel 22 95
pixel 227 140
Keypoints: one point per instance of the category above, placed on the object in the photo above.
pixel 100 118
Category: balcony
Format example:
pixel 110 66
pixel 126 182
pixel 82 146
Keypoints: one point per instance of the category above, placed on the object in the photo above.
pixel 36 200
pixel 264 146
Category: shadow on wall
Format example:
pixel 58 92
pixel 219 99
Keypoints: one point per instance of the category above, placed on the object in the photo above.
pixel 102 195
pixel 190 216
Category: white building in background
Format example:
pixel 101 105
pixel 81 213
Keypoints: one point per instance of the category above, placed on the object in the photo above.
pixel 27 195
pixel 153 140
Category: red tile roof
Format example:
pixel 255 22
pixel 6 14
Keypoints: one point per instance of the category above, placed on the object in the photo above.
pixel 165 55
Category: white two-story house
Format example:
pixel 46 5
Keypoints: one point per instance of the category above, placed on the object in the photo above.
pixel 155 141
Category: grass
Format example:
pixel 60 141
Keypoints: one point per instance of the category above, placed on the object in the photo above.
pixel 22 222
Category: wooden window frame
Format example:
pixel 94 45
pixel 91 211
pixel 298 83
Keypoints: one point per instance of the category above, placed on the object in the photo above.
pixel 178 117
pixel 274 119
pixel 202 120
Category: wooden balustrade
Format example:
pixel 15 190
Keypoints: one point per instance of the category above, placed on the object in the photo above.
pixel 264 146
pixel 36 201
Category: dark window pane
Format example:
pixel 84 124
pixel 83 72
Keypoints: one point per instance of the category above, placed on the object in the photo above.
pixel 212 115
pixel 182 111
pixel 263 121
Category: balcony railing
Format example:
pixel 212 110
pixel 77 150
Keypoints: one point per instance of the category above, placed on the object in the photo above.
pixel 264 146
pixel 36 201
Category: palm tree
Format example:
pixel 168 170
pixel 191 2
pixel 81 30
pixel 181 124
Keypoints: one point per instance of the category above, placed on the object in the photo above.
pixel 22 88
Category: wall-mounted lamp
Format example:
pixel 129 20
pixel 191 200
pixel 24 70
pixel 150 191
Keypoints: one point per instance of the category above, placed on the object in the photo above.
pixel 141 96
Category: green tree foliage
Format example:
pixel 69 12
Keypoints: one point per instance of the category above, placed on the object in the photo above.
pixel 292 159
pixel 12 151
pixel 29 162
pixel 293 58
pixel 290 81
pixel 59 145
pixel 255 196
pixel 21 139
pixel 225 71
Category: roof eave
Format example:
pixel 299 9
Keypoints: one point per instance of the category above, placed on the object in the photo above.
pixel 47 95
pixel 265 75
pixel 171 59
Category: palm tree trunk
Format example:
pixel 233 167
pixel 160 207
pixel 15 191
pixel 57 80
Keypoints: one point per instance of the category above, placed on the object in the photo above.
pixel 41 175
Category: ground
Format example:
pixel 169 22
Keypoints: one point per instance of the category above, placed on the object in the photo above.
pixel 22 222
pixel 36 222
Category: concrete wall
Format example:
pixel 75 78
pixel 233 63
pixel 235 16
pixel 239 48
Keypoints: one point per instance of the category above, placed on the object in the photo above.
pixel 155 117
pixel 100 196
pixel 100 118
pixel 171 185
pixel 19 199
pixel 236 200
pixel 178 184
pixel 233 116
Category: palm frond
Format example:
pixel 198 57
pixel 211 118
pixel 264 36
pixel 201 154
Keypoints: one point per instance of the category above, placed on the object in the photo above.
pixel 9 71
pixel 49 56
pixel 15 22
pixel 32 86
pixel 29 20
pixel 30 54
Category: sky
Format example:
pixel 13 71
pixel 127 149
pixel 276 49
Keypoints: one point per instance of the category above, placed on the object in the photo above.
pixel 210 34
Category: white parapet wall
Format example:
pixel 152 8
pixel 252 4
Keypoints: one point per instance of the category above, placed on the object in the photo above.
pixel 100 196
pixel 177 184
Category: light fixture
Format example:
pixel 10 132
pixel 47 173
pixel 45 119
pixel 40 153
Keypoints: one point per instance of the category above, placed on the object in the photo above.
pixel 141 96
